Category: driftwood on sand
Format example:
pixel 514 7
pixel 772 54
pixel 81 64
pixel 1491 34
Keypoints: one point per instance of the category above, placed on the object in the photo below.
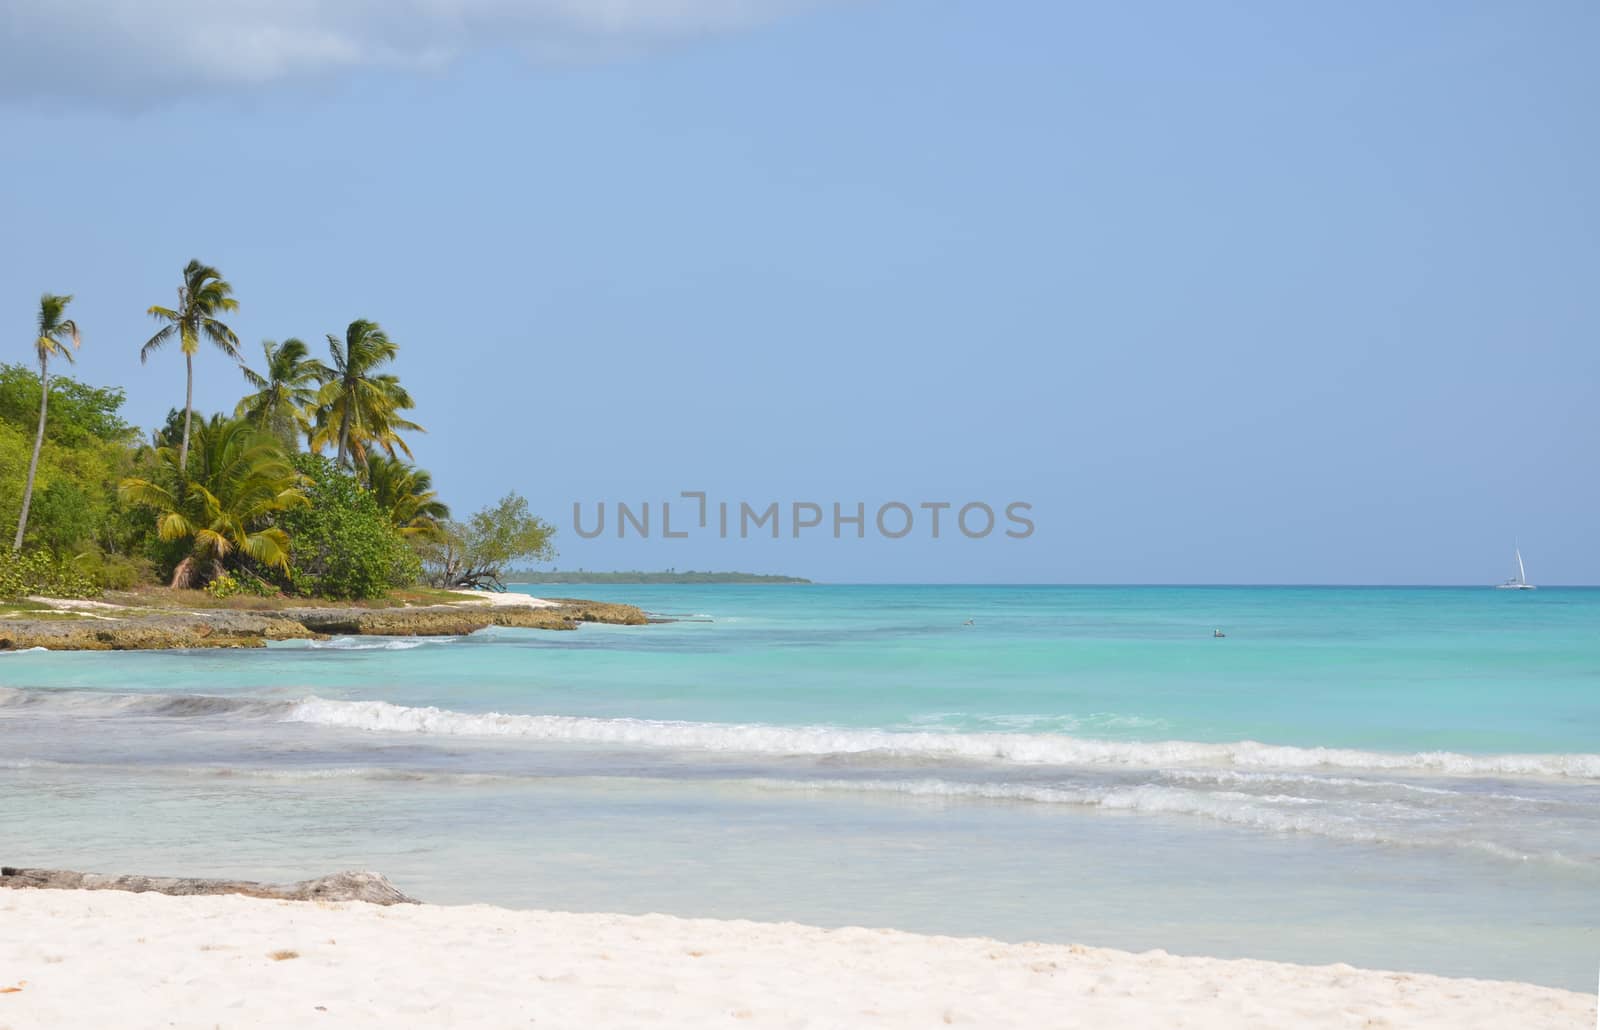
pixel 347 886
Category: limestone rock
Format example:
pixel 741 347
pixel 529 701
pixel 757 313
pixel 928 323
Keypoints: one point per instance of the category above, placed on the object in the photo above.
pixel 373 888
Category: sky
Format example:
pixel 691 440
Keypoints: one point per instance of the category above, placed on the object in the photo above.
pixel 1226 293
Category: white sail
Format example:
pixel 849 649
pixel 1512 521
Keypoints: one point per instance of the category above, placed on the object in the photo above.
pixel 1520 580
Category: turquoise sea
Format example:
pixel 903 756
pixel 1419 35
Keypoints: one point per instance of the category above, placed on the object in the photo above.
pixel 1401 778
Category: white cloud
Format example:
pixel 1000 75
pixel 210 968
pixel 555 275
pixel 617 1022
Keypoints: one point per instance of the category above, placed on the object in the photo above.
pixel 135 51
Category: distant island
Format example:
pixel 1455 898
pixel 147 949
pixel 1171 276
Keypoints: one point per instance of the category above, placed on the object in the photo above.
pixel 669 576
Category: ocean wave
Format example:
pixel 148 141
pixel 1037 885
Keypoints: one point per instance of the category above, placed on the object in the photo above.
pixel 1233 777
pixel 1393 824
pixel 267 773
pixel 369 644
pixel 1272 813
pixel 1248 779
pixel 1025 723
pixel 25 650
pixel 1237 759
pixel 371 773
pixel 1019 748
pixel 94 702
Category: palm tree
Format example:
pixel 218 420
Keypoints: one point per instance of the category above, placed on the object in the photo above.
pixel 239 480
pixel 358 407
pixel 405 494
pixel 203 295
pixel 286 393
pixel 55 332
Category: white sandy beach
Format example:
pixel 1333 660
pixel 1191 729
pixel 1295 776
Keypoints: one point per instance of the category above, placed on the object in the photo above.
pixel 113 959
pixel 506 599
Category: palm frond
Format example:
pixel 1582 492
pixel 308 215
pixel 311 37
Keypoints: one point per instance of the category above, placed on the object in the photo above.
pixel 222 337
pixel 173 525
pixel 269 546
pixel 155 342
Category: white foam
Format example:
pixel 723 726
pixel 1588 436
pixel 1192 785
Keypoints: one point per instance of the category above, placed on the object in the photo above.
pixel 1233 777
pixel 1026 723
pixel 368 644
pixel 1019 748
pixel 1274 813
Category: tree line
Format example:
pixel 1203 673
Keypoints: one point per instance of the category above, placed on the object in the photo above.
pixel 308 486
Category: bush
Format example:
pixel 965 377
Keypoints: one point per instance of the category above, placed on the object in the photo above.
pixel 340 545
pixel 116 571
pixel 38 572
pixel 62 517
pixel 407 568
pixel 227 584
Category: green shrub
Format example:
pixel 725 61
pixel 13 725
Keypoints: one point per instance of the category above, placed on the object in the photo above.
pixel 116 571
pixel 39 572
pixel 341 545
pixel 407 568
pixel 62 517
pixel 228 584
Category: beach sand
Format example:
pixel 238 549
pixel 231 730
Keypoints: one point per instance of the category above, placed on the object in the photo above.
pixel 112 959
pixel 507 599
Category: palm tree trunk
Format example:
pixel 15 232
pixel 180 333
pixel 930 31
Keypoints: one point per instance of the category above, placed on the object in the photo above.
pixel 344 430
pixel 38 443
pixel 188 413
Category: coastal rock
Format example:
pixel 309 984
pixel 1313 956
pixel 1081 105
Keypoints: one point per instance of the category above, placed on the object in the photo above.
pixel 430 621
pixel 133 629
pixel 373 888
pixel 598 611
pixel 148 631
pixel 457 620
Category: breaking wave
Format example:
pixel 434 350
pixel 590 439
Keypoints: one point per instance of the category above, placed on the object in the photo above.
pixel 1018 748
pixel 93 702
pixel 1272 813
pixel 368 644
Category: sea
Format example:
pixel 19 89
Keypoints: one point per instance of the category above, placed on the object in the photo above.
pixel 1398 778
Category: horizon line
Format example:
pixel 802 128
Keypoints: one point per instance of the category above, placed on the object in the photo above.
pixel 987 583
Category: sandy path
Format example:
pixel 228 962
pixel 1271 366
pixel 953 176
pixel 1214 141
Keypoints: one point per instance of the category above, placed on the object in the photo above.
pixel 110 959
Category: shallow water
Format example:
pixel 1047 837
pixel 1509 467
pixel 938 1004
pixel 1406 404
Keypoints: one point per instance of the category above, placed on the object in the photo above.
pixel 1398 778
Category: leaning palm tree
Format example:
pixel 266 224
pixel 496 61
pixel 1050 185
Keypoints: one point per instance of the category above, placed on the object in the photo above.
pixel 221 506
pixel 287 393
pixel 203 295
pixel 405 494
pixel 55 332
pixel 358 407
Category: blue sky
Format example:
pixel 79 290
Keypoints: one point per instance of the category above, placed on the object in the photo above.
pixel 1248 292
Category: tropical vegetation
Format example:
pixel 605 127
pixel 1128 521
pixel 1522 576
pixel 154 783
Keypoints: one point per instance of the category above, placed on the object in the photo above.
pixel 286 391
pixel 478 553
pixel 405 496
pixel 202 295
pixel 358 408
pixel 55 331
pixel 306 486
pixel 344 545
pixel 219 508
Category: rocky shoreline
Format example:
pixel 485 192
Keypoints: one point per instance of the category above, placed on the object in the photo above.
pixel 373 888
pixel 114 628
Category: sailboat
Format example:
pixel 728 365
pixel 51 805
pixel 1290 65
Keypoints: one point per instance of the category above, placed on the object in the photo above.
pixel 1520 580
